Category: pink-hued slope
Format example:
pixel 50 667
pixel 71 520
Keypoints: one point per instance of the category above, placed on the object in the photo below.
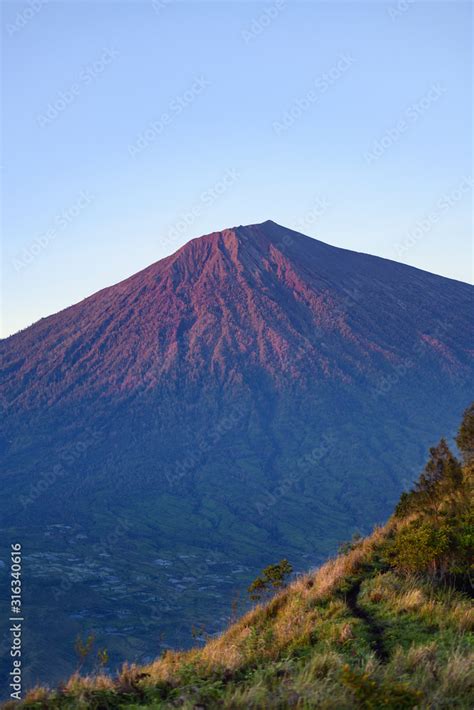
pixel 232 304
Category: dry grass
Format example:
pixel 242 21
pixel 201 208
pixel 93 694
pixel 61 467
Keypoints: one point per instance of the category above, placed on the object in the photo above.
pixel 411 600
pixel 408 662
pixel 291 616
pixel 78 683
pixel 457 675
pixel 444 682
pixel 309 615
pixel 463 617
pixel 37 695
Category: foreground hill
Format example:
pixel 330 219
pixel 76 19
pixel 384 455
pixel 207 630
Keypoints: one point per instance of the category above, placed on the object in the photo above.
pixel 388 624
pixel 258 394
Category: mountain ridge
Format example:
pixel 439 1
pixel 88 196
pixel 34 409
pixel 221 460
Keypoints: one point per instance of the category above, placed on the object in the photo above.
pixel 235 229
pixel 261 292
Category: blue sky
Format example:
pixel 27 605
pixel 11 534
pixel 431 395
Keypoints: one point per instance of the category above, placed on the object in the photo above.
pixel 131 127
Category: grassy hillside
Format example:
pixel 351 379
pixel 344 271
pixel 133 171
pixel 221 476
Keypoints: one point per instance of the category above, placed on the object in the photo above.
pixel 386 624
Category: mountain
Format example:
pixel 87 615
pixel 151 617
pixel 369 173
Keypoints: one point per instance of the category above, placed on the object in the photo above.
pixel 233 306
pixel 388 623
pixel 256 395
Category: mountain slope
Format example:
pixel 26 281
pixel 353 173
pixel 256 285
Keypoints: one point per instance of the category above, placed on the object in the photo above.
pixel 381 625
pixel 233 302
pixel 257 394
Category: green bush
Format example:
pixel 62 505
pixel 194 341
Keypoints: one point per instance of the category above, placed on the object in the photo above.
pixel 440 547
pixel 373 695
pixel 421 547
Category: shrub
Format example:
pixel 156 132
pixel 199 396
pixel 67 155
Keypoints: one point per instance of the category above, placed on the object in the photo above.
pixel 373 695
pixel 273 577
pixel 421 547
pixel 465 437
pixel 441 547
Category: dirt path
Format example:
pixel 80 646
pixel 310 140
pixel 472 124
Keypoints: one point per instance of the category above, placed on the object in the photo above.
pixel 375 629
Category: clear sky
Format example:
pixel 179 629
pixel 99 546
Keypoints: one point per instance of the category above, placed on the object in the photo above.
pixel 131 127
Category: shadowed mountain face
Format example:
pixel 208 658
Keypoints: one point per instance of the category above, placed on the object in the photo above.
pixel 257 394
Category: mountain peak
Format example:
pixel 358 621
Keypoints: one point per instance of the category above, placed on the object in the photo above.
pixel 228 305
pixel 250 246
pixel 260 233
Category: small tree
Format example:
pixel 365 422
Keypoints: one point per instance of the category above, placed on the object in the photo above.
pixel 83 649
pixel 438 482
pixel 272 578
pixel 465 437
pixel 102 658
